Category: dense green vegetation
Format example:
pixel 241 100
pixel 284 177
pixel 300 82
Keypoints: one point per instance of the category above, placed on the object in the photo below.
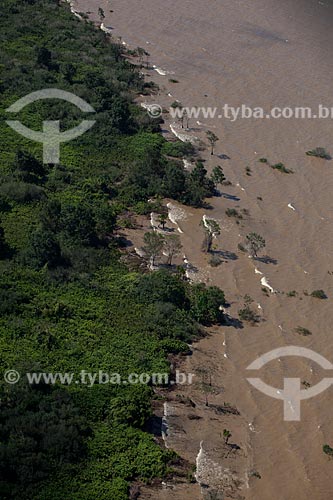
pixel 67 303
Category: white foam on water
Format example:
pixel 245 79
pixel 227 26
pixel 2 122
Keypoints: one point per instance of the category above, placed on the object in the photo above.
pixel 164 426
pixel 175 214
pixel 181 136
pixel 139 252
pixel 105 29
pixel 205 223
pixel 161 71
pixel 74 11
pixel 265 283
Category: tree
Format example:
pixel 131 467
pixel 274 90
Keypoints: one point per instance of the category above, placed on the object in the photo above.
pixel 172 247
pixel 212 229
pixel 147 58
pixel 133 407
pixel 43 250
pixel 50 215
pixel 159 287
pixel 247 314
pixel 27 167
pixel 206 382
pixel 162 218
pixel 69 71
pixel 217 176
pixel 5 251
pixel 44 57
pixel 153 246
pixel 41 430
pixel 254 243
pixel 77 221
pixel 226 435
pixel 212 138
pixel 207 304
pixel 198 185
pixel 105 220
pixel 101 13
pixel 187 118
pixel 141 53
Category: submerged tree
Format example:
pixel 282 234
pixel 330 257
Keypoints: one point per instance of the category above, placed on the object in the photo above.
pixel 212 138
pixel 217 176
pixel 172 247
pixel 212 229
pixel 226 435
pixel 101 13
pixel 254 243
pixel 153 246
pixel 162 219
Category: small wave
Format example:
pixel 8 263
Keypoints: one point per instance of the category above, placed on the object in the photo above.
pixel 181 136
pixel 265 283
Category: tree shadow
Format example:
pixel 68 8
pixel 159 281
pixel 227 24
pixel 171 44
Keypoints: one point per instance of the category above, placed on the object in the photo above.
pixel 232 448
pixel 206 206
pixel 166 229
pixel 191 268
pixel 233 322
pixel 265 259
pixel 229 196
pixel 223 157
pixel 226 254
pixel 124 242
pixel 154 426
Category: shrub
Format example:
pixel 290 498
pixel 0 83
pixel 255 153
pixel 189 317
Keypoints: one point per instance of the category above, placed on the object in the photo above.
pixel 160 286
pixel 42 250
pixel 206 303
pixel 215 261
pixel 328 450
pixel 232 212
pixel 319 153
pixel 319 294
pixel 246 314
pixel 178 149
pixel 303 331
pixel 21 192
pixel 281 167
